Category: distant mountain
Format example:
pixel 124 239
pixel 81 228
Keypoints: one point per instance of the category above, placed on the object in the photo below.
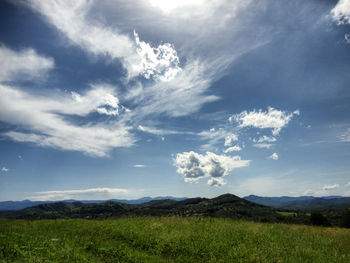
pixel 227 205
pixel 18 205
pixel 303 202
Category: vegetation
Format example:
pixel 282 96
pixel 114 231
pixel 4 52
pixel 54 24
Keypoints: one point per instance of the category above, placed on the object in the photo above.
pixel 169 239
pixel 229 206
pixel 303 202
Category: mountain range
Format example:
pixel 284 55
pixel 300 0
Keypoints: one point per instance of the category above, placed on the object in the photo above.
pixel 226 205
pixel 303 202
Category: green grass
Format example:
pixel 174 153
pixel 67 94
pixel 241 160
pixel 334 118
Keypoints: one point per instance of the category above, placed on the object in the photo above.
pixel 169 240
pixel 287 213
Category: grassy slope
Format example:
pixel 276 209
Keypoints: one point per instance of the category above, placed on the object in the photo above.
pixel 169 239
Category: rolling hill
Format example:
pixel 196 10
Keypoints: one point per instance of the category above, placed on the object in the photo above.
pixel 306 203
pixel 227 205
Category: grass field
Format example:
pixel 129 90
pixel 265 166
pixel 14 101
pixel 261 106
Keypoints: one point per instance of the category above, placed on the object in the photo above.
pixel 169 240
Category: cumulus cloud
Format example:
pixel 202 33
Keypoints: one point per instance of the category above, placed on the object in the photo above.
pixel 341 12
pixel 235 148
pixel 219 181
pixel 139 165
pixel 100 192
pixel 26 62
pixel 274 156
pixel 161 62
pixel 330 187
pixel 271 119
pixel 194 166
pixel 347 185
pixel 4 169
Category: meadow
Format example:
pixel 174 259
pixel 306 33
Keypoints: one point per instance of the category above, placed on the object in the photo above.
pixel 169 239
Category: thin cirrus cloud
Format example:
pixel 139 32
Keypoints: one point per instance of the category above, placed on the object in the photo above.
pixel 100 192
pixel 194 166
pixel 262 145
pixel 138 57
pixel 139 165
pixel 235 148
pixel 215 136
pixel 43 115
pixel 26 62
pixel 4 169
pixel 330 187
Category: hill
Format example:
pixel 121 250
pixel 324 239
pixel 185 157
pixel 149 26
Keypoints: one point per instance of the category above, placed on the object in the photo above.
pixel 303 202
pixel 227 205
pixel 18 205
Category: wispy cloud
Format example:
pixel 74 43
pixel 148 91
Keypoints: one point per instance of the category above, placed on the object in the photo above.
pixel 235 148
pixel 139 165
pixel 26 62
pixel 43 116
pixel 263 145
pixel 157 131
pixel 93 193
pixel 330 187
pixel 4 169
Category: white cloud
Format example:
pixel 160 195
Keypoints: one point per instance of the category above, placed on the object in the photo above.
pixel 25 62
pixel 194 166
pixel 214 136
pixel 70 18
pixel 347 185
pixel 274 156
pixel 265 139
pixel 344 136
pixel 347 38
pixel 341 12
pixel 330 187
pixel 168 6
pixel 262 145
pixel 162 62
pixel 157 131
pixel 92 25
pixel 91 193
pixel 42 115
pixel 216 181
pixel 235 148
pixel 139 165
pixel 230 138
pixel 138 57
pixel 271 119
pixel 5 169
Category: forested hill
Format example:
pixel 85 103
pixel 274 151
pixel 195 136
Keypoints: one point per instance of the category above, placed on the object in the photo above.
pixel 303 202
pixel 226 205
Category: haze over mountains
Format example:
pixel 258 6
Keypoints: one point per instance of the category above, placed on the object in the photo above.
pixel 282 202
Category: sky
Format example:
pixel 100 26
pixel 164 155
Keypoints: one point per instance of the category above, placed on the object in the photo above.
pixel 124 99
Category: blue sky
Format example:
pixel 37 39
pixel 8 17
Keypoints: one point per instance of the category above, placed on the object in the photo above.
pixel 124 99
